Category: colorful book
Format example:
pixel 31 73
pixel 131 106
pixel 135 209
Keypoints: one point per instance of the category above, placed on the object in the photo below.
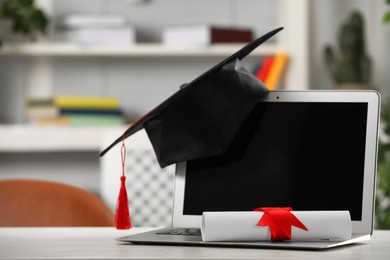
pixel 70 111
pixel 50 112
pixel 79 102
pixel 75 111
pixel 276 71
pixel 75 102
pixel 265 67
pixel 39 101
pixel 52 121
pixel 41 111
pixel 95 120
pixel 80 120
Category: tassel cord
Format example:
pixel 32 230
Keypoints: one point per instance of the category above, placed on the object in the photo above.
pixel 122 216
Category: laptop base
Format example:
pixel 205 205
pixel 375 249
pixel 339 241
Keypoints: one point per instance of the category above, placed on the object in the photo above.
pixel 191 240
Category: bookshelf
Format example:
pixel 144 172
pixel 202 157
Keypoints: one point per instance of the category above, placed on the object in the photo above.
pixel 29 138
pixel 139 50
pixel 44 139
pixel 78 147
pixel 39 57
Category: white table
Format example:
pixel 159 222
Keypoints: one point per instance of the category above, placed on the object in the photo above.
pixel 100 243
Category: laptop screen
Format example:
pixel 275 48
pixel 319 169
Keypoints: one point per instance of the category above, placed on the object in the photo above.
pixel 307 155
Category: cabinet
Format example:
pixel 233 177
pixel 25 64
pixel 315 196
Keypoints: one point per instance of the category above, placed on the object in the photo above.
pixel 148 62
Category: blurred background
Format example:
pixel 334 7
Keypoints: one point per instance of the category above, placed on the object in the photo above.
pixel 124 57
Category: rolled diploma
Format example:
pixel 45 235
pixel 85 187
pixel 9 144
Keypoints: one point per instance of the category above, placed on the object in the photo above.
pixel 242 226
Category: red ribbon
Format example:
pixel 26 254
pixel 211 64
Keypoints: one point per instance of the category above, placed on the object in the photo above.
pixel 280 221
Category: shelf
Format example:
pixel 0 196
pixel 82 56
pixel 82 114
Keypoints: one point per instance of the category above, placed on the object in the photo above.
pixel 139 50
pixel 26 138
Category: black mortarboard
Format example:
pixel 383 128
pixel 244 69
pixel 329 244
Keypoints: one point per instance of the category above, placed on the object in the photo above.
pixel 201 119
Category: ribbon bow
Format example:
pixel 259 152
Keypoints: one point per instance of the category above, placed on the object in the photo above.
pixel 280 221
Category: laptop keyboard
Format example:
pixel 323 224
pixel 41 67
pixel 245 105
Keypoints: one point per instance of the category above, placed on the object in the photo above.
pixel 181 231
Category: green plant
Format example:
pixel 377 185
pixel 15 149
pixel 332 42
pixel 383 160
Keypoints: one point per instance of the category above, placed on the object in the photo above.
pixel 352 64
pixel 25 18
pixel 382 209
pixel 386 16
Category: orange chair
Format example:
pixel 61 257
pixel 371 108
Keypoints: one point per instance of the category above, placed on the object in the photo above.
pixel 44 203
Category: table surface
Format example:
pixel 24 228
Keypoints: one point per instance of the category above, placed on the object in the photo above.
pixel 100 243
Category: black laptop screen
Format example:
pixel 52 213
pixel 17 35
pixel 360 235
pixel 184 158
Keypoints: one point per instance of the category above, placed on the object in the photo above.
pixel 309 156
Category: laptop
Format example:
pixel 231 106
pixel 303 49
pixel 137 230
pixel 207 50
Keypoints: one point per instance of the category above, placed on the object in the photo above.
pixel 309 150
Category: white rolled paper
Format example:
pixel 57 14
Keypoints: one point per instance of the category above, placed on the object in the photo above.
pixel 242 226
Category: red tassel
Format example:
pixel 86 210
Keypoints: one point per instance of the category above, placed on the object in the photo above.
pixel 122 216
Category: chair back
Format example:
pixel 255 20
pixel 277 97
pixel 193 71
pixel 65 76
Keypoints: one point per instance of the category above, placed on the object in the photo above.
pixel 45 203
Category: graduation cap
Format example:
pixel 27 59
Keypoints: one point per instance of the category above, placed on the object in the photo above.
pixel 201 119
pixel 198 121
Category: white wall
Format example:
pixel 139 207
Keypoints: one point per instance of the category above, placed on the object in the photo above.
pixel 326 18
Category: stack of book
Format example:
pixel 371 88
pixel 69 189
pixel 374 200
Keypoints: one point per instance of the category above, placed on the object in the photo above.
pixel 95 29
pixel 74 111
pixel 272 69
pixel 204 35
